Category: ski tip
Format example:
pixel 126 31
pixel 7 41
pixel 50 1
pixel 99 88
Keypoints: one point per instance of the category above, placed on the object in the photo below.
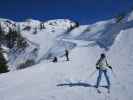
pixel 98 91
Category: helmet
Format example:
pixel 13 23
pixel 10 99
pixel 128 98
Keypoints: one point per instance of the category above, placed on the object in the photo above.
pixel 102 55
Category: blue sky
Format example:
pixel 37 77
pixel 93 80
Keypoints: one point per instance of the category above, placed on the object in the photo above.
pixel 83 11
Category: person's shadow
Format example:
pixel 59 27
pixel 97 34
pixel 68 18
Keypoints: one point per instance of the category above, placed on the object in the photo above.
pixel 81 84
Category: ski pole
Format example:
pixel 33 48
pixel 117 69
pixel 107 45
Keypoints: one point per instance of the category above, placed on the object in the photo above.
pixel 92 73
pixel 113 73
pixel 115 76
pixel 122 85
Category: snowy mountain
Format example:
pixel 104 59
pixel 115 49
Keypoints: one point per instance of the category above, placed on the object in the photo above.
pixel 73 80
pixel 39 39
pixel 44 40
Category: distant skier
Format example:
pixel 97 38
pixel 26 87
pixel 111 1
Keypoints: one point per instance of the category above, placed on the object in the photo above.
pixel 67 54
pixel 102 66
pixel 55 60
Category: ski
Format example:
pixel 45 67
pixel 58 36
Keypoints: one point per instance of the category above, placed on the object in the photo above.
pixel 108 91
pixel 98 91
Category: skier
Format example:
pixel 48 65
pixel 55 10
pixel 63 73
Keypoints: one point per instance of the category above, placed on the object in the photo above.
pixel 55 60
pixel 102 66
pixel 67 54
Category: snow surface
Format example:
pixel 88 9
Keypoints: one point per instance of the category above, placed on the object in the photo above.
pixel 71 80
pixel 74 80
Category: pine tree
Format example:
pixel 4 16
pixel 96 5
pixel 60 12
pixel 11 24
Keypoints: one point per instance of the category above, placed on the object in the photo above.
pixel 120 16
pixel 42 26
pixel 3 62
pixel 11 38
pixel 35 30
pixel 1 34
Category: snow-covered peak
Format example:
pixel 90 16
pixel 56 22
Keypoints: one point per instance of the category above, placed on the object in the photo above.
pixel 59 26
pixel 6 20
pixel 59 23
pixel 32 22
pixel 7 24
pixel 130 16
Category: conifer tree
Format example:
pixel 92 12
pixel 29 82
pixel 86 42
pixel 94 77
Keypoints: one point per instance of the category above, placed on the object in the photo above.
pixel 3 62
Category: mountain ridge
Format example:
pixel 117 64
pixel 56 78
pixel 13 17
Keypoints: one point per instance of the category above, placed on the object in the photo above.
pixel 44 40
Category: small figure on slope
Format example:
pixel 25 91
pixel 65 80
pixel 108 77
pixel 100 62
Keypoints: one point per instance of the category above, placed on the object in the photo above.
pixel 55 60
pixel 67 54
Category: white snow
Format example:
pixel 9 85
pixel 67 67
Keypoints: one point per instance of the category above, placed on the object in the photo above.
pixel 74 80
pixel 41 82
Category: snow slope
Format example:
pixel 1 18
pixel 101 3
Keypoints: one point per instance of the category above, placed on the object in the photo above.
pixel 71 80
pixel 74 80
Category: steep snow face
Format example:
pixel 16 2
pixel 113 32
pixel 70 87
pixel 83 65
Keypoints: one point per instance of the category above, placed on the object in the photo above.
pixel 124 44
pixel 91 32
pixel 130 17
pixel 43 42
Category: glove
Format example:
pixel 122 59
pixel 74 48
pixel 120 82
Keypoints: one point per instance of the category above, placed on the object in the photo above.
pixel 110 67
pixel 97 68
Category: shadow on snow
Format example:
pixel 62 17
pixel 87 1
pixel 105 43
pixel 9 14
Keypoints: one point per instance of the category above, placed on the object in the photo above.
pixel 80 84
